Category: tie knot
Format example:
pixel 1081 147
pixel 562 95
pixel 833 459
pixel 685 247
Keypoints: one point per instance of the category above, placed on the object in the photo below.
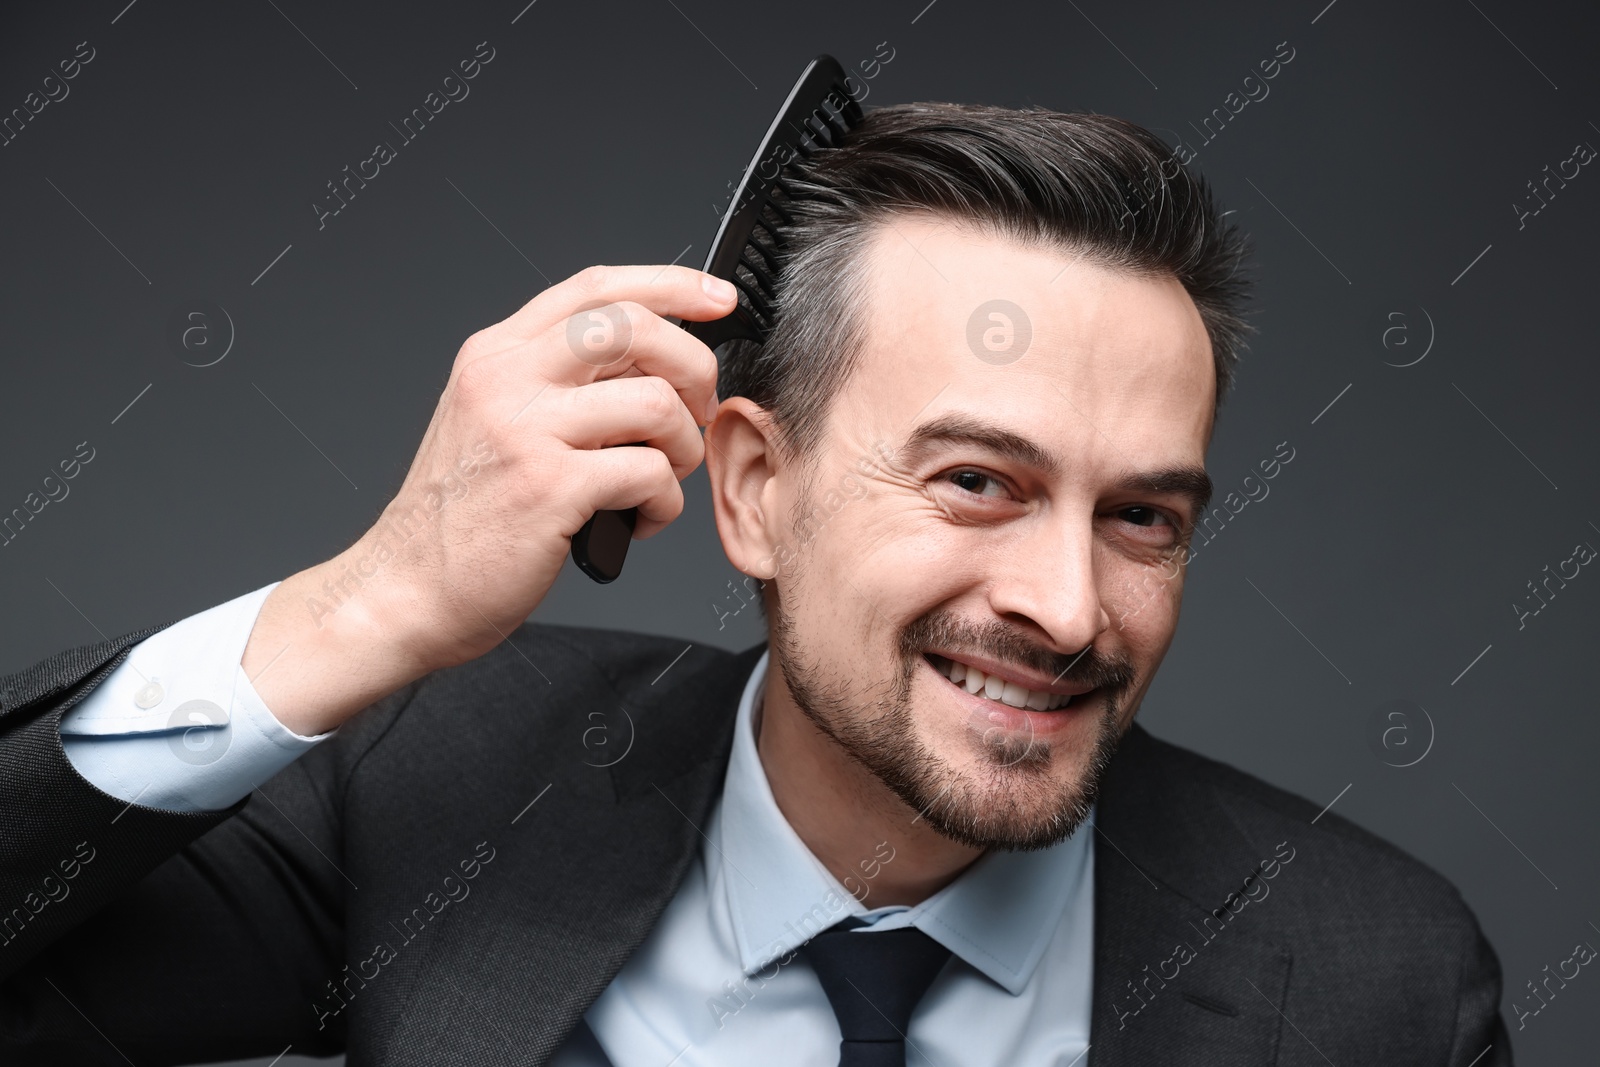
pixel 874 981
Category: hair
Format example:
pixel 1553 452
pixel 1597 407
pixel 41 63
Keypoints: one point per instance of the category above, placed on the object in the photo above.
pixel 1090 185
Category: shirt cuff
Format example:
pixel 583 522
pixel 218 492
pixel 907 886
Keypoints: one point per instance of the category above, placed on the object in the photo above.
pixel 177 725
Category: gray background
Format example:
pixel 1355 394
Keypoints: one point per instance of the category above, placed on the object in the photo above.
pixel 1385 161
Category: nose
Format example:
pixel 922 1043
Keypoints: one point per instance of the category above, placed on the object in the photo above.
pixel 1048 582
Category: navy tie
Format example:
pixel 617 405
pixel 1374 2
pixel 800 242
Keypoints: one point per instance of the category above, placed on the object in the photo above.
pixel 874 981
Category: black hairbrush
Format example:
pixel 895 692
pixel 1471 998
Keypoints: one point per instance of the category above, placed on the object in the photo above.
pixel 748 251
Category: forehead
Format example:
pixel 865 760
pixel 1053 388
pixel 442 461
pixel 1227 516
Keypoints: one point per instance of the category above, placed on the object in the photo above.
pixel 1039 340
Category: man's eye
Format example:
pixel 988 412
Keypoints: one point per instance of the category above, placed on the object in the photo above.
pixel 1141 516
pixel 977 483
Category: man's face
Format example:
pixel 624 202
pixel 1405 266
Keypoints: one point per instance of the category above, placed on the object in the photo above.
pixel 1001 495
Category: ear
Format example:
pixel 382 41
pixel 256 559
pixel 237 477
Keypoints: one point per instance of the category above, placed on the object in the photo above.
pixel 741 461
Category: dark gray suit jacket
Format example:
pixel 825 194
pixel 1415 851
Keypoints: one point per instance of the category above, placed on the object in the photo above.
pixel 393 894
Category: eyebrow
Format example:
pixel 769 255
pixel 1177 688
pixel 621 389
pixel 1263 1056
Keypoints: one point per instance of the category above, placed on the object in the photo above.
pixel 1191 483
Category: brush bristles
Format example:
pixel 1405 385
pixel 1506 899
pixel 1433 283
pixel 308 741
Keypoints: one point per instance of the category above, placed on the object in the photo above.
pixel 761 261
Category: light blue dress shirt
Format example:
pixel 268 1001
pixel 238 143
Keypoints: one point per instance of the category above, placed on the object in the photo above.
pixel 178 725
pixel 718 981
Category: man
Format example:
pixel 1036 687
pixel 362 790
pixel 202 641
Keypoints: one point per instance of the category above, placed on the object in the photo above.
pixel 918 826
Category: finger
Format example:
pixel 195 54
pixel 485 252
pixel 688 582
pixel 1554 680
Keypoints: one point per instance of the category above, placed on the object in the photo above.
pixel 644 529
pixel 665 290
pixel 624 411
pixel 626 339
pixel 621 478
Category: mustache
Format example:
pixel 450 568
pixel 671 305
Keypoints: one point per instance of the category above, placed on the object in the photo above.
pixel 1089 667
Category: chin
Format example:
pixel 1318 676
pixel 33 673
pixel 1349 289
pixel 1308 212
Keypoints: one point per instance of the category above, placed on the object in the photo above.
pixel 992 784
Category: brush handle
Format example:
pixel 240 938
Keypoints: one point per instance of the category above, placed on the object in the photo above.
pixel 600 546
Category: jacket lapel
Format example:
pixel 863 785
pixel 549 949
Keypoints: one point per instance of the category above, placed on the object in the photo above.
pixel 1175 983
pixel 587 873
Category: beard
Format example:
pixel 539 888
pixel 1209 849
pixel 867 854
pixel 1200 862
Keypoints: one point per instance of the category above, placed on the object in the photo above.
pixel 1016 798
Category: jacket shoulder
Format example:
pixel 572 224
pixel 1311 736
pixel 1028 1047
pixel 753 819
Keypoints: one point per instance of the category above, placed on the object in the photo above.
pixel 1374 934
pixel 1353 868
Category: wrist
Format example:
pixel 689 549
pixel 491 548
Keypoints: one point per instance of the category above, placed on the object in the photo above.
pixel 329 642
pixel 359 601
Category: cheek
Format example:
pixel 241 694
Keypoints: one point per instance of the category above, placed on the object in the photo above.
pixel 1148 636
pixel 1143 601
pixel 870 571
pixel 900 549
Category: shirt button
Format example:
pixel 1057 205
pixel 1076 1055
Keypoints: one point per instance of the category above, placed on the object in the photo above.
pixel 150 694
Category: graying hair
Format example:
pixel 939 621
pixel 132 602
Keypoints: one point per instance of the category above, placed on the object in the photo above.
pixel 1087 184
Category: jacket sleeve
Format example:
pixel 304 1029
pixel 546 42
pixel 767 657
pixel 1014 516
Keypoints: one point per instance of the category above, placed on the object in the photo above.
pixel 138 934
pixel 1481 1038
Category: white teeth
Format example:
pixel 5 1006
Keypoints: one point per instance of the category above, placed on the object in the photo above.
pixel 975 681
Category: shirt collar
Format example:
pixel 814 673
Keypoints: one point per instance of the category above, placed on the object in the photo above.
pixel 999 915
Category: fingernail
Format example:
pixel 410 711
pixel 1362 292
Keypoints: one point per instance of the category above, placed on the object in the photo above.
pixel 711 407
pixel 716 288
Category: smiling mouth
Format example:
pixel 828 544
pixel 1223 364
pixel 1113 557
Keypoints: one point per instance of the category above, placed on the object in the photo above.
pixel 997 689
